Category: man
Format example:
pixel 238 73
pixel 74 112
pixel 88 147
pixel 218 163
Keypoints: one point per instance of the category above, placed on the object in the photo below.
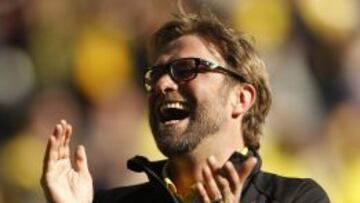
pixel 208 98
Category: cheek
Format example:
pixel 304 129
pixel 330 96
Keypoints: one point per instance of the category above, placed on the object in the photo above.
pixel 196 93
pixel 207 83
pixel 205 87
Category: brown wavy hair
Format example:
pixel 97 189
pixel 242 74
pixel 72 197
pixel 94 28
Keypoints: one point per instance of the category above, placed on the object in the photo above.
pixel 238 52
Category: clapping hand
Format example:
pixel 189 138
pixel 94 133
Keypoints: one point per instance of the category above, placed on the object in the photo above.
pixel 216 188
pixel 62 180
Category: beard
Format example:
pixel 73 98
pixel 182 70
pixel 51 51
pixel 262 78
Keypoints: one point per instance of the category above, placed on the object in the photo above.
pixel 204 120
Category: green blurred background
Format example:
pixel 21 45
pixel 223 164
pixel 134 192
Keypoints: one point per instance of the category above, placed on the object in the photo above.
pixel 84 60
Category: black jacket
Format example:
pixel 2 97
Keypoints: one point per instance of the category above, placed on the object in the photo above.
pixel 261 187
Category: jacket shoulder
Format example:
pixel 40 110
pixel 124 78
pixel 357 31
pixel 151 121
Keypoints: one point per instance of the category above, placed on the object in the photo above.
pixel 286 189
pixel 134 193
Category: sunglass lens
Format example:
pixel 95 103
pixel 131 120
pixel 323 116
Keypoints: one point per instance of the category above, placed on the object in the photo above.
pixel 183 70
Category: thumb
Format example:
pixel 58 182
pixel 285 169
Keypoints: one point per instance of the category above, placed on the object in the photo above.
pixel 81 164
pixel 247 168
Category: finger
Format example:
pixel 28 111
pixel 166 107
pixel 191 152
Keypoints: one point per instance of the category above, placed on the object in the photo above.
pixel 57 132
pixel 64 127
pixel 246 169
pixel 68 134
pixel 221 181
pixel 225 188
pixel 80 160
pixel 51 154
pixel 56 135
pixel 213 163
pixel 55 143
pixel 210 184
pixel 202 193
pixel 62 138
pixel 47 155
pixel 52 150
pixel 233 177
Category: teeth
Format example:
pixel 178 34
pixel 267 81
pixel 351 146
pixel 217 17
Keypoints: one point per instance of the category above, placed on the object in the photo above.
pixel 173 105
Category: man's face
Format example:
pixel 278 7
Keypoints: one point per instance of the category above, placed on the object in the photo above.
pixel 183 114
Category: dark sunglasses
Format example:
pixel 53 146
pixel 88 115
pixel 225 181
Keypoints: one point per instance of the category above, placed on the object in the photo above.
pixel 185 69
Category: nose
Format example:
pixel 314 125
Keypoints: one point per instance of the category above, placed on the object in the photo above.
pixel 165 84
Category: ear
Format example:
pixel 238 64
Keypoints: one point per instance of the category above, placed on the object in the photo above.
pixel 245 96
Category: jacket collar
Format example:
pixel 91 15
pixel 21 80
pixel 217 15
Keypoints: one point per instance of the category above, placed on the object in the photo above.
pixel 153 170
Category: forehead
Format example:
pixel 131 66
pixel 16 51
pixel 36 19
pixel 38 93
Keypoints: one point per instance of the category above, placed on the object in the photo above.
pixel 190 46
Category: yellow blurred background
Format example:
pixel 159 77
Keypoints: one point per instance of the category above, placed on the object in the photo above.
pixel 84 60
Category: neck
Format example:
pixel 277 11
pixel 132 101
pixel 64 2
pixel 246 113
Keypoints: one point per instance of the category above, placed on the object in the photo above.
pixel 186 169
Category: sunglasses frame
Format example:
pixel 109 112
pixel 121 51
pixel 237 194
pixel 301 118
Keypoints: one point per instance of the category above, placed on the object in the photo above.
pixel 201 65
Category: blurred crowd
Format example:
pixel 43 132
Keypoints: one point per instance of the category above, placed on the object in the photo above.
pixel 83 61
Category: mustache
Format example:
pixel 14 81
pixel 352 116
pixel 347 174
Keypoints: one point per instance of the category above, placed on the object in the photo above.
pixel 170 97
pixel 173 97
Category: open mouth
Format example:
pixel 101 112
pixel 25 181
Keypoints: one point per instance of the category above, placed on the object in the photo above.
pixel 174 111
